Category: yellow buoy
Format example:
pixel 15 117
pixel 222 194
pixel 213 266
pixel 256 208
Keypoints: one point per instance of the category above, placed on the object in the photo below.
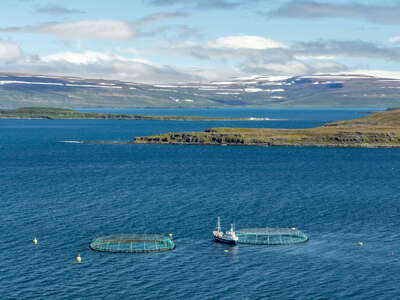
pixel 226 251
pixel 35 241
pixel 360 244
pixel 170 235
pixel 78 259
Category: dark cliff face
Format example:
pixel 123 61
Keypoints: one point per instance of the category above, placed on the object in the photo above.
pixel 338 139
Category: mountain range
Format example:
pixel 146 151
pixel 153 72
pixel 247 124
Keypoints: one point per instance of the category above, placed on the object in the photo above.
pixel 21 90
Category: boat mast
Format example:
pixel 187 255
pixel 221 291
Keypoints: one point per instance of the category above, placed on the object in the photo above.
pixel 219 225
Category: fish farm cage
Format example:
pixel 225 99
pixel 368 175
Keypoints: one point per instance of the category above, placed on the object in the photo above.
pixel 133 243
pixel 271 236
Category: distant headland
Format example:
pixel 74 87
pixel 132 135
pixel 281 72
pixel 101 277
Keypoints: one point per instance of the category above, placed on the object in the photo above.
pixel 58 113
pixel 380 129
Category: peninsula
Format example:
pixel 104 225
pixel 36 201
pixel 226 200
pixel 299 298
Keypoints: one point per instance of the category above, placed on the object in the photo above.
pixel 380 129
pixel 58 113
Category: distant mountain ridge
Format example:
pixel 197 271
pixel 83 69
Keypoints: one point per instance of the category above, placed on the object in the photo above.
pixel 19 90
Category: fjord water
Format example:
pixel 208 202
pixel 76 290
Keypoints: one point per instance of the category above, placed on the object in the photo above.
pixel 67 194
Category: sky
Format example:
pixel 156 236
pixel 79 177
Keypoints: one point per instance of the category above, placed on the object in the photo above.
pixel 199 40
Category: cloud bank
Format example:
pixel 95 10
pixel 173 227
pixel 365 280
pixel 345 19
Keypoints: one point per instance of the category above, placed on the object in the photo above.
pixel 57 10
pixel 90 64
pixel 223 57
pixel 91 29
pixel 204 4
pixel 9 52
pixel 246 42
pixel 309 9
pixel 256 55
pixel 116 30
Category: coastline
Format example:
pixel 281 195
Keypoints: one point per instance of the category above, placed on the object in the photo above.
pixel 48 113
pixel 145 117
pixel 134 142
pixel 381 129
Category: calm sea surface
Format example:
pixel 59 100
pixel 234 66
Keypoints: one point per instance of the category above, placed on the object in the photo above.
pixel 67 194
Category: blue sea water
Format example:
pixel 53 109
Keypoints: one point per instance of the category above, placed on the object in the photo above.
pixel 67 194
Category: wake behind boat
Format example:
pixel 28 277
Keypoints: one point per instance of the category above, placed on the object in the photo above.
pixel 72 142
pixel 229 237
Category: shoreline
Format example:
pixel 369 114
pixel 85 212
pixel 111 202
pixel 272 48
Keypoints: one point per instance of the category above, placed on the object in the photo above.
pixel 49 113
pixel 241 145
pixel 381 129
pixel 378 130
pixel 150 118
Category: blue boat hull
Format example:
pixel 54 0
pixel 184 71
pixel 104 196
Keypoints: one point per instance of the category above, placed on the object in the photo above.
pixel 219 240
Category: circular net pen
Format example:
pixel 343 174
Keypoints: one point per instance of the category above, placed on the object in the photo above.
pixel 271 236
pixel 133 243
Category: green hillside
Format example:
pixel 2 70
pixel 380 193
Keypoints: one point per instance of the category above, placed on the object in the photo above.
pixel 381 129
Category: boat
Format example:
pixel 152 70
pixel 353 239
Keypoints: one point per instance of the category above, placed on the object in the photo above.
pixel 229 237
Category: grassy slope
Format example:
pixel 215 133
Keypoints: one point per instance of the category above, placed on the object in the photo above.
pixel 380 129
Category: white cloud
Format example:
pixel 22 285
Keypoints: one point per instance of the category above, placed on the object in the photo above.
pixel 94 29
pixel 248 55
pixel 9 51
pixel 229 56
pixel 327 66
pixel 246 42
pixel 395 39
pixel 205 4
pixel 376 73
pixel 214 73
pixel 321 57
pixel 381 13
pixel 117 30
pixel 227 48
pixel 119 65
pixel 92 64
pixel 89 57
pixel 291 68
pixel 57 10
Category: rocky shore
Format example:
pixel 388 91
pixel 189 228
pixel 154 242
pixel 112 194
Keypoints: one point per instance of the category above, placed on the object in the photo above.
pixel 381 129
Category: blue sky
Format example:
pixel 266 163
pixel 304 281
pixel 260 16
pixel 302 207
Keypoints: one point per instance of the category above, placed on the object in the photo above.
pixel 199 40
